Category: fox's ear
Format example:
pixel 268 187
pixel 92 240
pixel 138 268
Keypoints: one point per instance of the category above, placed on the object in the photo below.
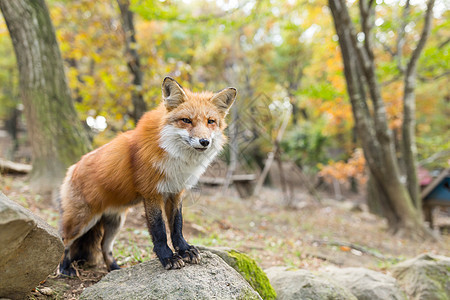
pixel 224 99
pixel 173 93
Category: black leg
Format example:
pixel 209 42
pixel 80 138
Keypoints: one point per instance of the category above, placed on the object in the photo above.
pixel 188 252
pixel 65 267
pixel 157 230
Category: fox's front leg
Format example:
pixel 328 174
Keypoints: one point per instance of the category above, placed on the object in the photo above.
pixel 173 208
pixel 157 228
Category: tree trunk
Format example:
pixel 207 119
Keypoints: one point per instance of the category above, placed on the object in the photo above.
pixel 56 134
pixel 372 127
pixel 11 125
pixel 409 111
pixel 379 203
pixel 133 61
pixel 409 149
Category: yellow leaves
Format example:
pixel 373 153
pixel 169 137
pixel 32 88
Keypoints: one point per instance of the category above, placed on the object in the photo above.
pixel 82 36
pixel 337 112
pixel 148 31
pixel 338 81
pixel 63 45
pixel 118 117
pixel 191 51
pixel 331 63
pixel 89 80
pixel 424 128
pixel 394 106
pixel 97 58
pixel 72 76
pixel 3 28
pixel 427 99
pixel 93 45
pixel 76 54
pixel 343 171
pixel 134 46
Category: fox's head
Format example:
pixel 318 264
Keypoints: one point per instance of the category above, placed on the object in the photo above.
pixel 195 121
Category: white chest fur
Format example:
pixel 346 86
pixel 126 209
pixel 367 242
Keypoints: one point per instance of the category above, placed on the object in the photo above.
pixel 181 174
pixel 183 165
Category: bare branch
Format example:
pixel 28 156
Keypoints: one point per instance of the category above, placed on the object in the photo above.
pixel 362 54
pixel 423 38
pixel 401 36
pixel 434 157
pixel 409 152
pixel 425 78
pixel 388 49
pixel 441 45
pixel 390 81
pixel 367 14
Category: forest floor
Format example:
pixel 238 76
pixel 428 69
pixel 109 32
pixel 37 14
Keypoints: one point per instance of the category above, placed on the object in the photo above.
pixel 309 235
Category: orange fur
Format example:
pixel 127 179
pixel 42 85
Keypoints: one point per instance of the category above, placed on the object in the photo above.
pixel 131 167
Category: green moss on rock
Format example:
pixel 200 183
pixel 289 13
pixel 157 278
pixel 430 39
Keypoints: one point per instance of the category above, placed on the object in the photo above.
pixel 254 275
pixel 248 268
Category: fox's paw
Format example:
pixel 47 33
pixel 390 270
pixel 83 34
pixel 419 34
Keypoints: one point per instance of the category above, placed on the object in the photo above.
pixel 67 271
pixel 113 266
pixel 174 262
pixel 191 255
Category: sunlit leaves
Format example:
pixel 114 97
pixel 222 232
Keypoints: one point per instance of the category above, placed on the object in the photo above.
pixel 274 48
pixel 92 45
pixel 156 10
pixel 343 171
pixel 393 98
pixel 8 74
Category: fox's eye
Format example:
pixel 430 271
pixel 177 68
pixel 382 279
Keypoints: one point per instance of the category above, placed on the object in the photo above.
pixel 186 120
pixel 211 121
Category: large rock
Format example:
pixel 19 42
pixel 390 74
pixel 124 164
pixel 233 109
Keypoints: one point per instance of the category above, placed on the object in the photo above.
pixel 248 268
pixel 30 249
pixel 211 279
pixel 426 277
pixel 305 285
pixel 366 284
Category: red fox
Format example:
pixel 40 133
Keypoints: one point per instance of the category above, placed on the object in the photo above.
pixel 165 154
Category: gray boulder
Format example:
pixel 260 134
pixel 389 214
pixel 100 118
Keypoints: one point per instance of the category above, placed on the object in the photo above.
pixel 247 267
pixel 211 279
pixel 30 249
pixel 366 284
pixel 305 285
pixel 426 277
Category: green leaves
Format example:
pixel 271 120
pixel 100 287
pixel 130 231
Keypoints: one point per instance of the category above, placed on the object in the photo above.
pixel 157 10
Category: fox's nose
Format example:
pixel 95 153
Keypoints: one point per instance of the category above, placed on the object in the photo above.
pixel 204 142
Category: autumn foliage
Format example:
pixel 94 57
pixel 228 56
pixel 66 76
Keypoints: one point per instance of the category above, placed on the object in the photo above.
pixel 343 171
pixel 273 50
